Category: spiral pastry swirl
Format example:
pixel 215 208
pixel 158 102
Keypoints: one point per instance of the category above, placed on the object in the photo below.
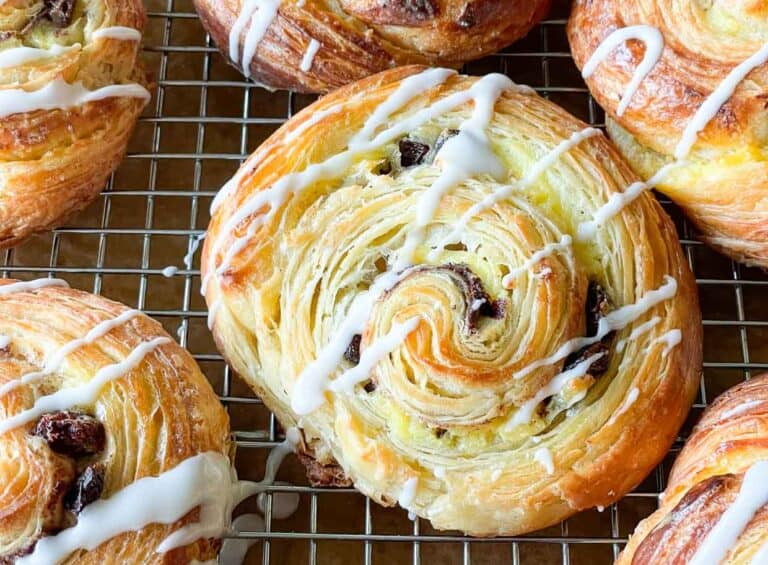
pixel 449 299
pixel 701 103
pixel 67 447
pixel 71 89
pixel 319 45
pixel 715 507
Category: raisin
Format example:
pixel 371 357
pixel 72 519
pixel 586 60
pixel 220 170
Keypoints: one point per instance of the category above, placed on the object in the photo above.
pixel 86 490
pixel 72 434
pixel 59 12
pixel 412 152
pixel 352 354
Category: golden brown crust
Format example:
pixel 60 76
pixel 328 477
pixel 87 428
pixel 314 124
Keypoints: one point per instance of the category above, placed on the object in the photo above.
pixel 724 188
pixel 280 281
pixel 161 413
pixel 361 37
pixel 53 163
pixel 705 480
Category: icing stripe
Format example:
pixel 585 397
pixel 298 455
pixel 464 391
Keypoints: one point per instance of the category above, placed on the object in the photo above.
pixel 85 394
pixel 654 47
pixel 17 56
pixel 60 95
pixel 120 33
pixel 57 359
pixel 27 286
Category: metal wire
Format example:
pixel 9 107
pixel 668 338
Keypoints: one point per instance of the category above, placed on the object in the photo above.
pixel 203 121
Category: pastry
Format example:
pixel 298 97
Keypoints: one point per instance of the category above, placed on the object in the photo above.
pixel 108 431
pixel 462 296
pixel 684 85
pixel 319 45
pixel 715 507
pixel 71 89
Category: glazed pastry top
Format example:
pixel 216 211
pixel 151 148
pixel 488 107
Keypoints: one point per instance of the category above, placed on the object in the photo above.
pixel 461 283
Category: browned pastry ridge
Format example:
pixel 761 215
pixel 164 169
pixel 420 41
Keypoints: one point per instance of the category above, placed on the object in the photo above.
pixel 705 481
pixel 54 162
pixel 142 424
pixel 358 38
pixel 724 186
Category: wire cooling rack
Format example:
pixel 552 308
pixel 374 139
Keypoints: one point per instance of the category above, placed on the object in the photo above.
pixel 202 122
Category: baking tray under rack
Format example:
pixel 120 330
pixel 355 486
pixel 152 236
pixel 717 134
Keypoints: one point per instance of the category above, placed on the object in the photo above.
pixel 202 122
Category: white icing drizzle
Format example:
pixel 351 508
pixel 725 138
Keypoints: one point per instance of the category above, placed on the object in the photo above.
pixel 740 409
pixel 626 405
pixel 170 271
pixel 408 494
pixel 120 33
pixel 256 16
pixel 439 472
pixel 85 394
pixel 406 91
pixel 600 508
pixel 205 480
pixel 752 496
pixel 637 332
pixel 534 173
pixel 654 47
pixel 17 56
pixel 284 504
pixel 372 355
pixel 216 522
pixel 194 245
pixel 614 321
pixel 466 155
pixel 309 55
pixel 620 200
pixel 524 413
pixel 309 391
pixel 61 95
pixel 496 475
pixel 27 286
pixel 56 360
pixel 293 183
pixel 5 341
pixel 711 106
pixel 536 258
pixel 544 457
pixel 234 550
pixel 670 340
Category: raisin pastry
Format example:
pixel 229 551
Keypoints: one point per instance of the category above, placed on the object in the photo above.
pixel 715 507
pixel 71 89
pixel 462 298
pixel 319 45
pixel 685 86
pixel 110 436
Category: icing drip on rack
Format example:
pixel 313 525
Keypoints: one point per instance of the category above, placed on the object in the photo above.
pixel 67 398
pixel 752 496
pixel 61 95
pixel 654 47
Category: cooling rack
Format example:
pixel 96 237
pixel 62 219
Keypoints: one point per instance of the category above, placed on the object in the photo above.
pixel 202 122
